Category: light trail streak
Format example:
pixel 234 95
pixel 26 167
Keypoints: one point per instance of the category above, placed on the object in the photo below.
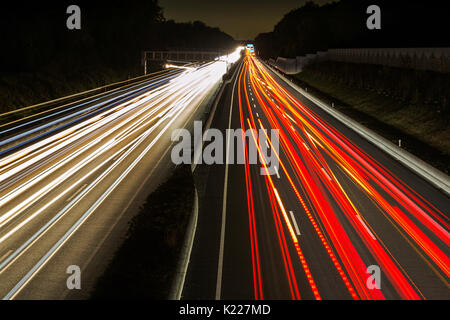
pixel 257 281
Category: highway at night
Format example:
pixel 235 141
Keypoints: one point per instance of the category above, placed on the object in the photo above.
pixel 218 160
pixel 336 209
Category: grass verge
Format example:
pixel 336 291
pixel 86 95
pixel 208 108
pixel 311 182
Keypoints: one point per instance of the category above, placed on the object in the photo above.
pixel 423 132
pixel 23 89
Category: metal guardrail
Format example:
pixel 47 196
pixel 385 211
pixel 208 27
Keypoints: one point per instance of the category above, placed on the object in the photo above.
pixel 80 94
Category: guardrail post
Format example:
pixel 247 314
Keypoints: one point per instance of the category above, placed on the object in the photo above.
pixel 145 63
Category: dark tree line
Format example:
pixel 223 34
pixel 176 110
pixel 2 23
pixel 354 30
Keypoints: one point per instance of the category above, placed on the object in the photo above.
pixel 342 24
pixel 34 36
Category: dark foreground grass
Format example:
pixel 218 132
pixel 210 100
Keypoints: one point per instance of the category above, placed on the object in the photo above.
pixel 144 266
pixel 423 131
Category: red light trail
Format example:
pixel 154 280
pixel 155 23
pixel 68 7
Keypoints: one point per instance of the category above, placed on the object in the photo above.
pixel 314 157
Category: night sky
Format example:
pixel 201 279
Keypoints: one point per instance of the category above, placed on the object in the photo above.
pixel 242 19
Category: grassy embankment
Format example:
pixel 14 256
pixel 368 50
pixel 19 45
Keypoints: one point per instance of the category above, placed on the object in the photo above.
pixel 23 89
pixel 398 104
pixel 145 264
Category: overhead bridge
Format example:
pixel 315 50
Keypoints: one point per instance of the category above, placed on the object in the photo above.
pixel 180 56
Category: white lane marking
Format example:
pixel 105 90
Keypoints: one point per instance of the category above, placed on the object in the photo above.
pixel 254 105
pixel 291 118
pixel 306 146
pixel 267 144
pixel 257 114
pixel 297 230
pixel 276 171
pixel 224 206
pixel 326 174
pixel 84 185
pixel 5 255
pixel 366 227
